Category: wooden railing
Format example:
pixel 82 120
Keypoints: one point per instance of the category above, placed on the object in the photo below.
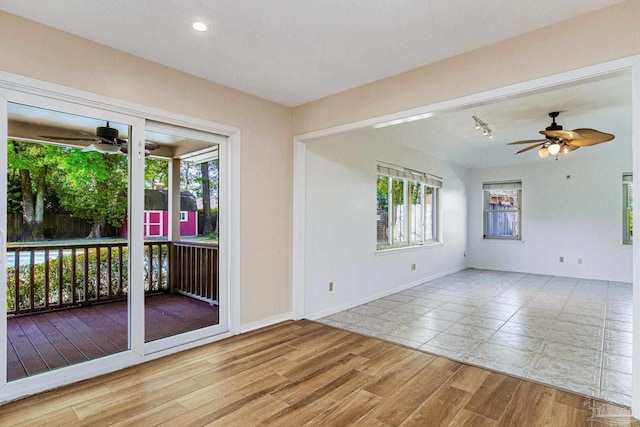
pixel 48 277
pixel 195 271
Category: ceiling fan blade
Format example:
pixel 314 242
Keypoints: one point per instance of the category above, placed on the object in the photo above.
pixel 591 137
pixel 149 145
pixel 104 140
pixel 531 147
pixel 64 138
pixel 562 134
pixel 526 141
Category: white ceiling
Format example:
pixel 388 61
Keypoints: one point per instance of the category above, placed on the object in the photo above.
pixel 296 51
pixel 603 104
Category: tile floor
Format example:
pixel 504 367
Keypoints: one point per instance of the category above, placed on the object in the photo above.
pixel 571 333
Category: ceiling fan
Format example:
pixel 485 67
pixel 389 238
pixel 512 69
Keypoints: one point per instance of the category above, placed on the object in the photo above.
pixel 106 140
pixel 558 140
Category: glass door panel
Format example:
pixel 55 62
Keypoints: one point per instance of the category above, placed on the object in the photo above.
pixel 181 232
pixel 67 279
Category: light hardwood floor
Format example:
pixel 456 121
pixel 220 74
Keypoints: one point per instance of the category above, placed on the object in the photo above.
pixel 306 373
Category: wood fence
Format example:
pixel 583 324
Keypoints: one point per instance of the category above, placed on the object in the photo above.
pixel 55 227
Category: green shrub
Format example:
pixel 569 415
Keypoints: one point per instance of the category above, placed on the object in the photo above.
pixel 63 287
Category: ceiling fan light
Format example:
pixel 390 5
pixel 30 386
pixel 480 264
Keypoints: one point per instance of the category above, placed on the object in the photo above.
pixel 554 148
pixel 543 152
pixel 565 149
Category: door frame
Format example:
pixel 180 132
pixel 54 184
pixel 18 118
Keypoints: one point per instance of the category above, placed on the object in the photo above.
pixel 15 88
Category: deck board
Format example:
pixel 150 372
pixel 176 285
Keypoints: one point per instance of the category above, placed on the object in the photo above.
pixel 14 365
pixel 46 341
pixel 67 350
pixel 47 351
pixel 27 354
pixel 88 349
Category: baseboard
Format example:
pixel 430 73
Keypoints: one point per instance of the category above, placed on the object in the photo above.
pixel 383 294
pixel 547 272
pixel 263 323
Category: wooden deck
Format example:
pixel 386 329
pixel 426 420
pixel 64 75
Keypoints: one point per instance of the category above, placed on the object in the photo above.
pixel 306 373
pixel 46 341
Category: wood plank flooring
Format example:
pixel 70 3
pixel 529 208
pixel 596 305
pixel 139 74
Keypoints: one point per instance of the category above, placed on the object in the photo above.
pixel 305 373
pixel 46 341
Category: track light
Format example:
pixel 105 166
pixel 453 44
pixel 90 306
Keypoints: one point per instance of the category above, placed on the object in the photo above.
pixel 486 130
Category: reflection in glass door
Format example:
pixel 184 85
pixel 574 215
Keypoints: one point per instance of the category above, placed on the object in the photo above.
pixel 181 232
pixel 67 279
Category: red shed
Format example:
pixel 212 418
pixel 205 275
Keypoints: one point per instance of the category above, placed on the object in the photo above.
pixel 156 214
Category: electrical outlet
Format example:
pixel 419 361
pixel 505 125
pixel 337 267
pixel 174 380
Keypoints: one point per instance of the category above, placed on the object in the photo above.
pixel 413 267
pixel 561 259
pixel 330 286
pixel 579 260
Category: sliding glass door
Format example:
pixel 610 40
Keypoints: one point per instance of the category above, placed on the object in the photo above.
pixel 181 234
pixel 67 279
pixel 112 238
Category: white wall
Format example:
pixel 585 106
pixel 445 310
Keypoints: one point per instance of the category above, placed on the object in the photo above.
pixel 341 222
pixel 576 217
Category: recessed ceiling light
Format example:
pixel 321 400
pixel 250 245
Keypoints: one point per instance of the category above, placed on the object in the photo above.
pixel 199 26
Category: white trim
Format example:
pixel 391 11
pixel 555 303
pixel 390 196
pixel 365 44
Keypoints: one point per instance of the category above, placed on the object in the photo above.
pixel 333 310
pixel 135 243
pixel 3 242
pixel 299 229
pixel 148 223
pixel 231 225
pixel 36 92
pixel 177 341
pixel 409 248
pixel 630 63
pixel 44 89
pixel 263 323
pixel 635 137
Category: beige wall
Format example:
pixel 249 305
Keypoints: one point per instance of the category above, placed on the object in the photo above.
pixel 597 37
pixel 40 52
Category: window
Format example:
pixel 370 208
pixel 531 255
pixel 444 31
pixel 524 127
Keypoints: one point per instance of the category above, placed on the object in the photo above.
pixel 502 210
pixel 627 208
pixel 407 207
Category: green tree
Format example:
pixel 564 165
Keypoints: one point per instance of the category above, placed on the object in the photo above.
pixel 207 227
pixel 156 171
pixel 202 180
pixel 93 186
pixel 31 165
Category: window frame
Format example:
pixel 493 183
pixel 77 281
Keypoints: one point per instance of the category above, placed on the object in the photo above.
pixel 402 237
pixel 505 185
pixel 627 208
